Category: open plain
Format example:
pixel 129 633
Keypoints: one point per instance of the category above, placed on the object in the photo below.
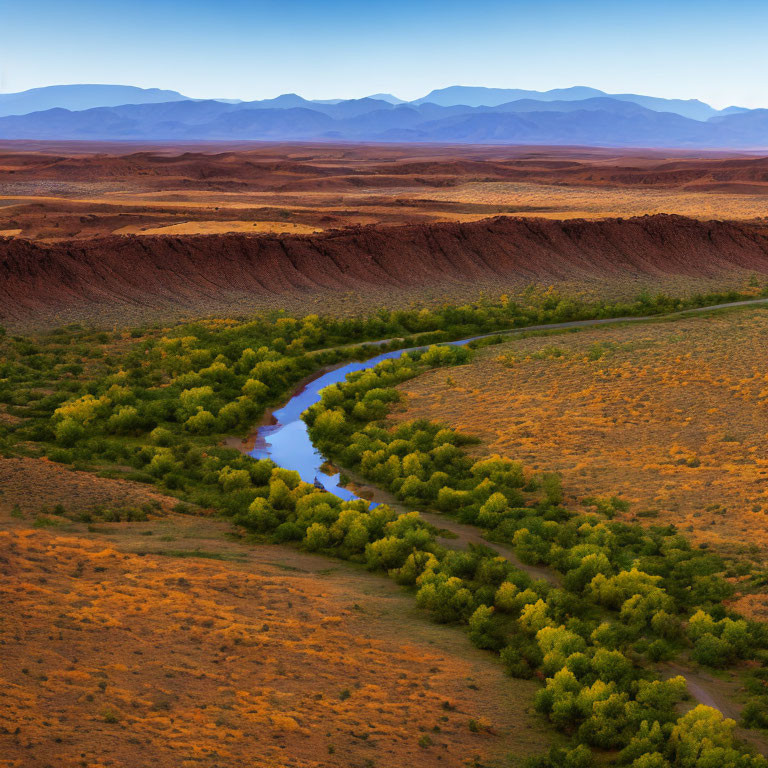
pixel 669 416
pixel 111 233
pixel 383 385
pixel 206 609
pixel 56 191
pixel 172 641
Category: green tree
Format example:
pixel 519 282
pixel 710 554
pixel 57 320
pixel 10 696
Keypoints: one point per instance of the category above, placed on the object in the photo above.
pixel 201 423
pixel 233 479
pixel 651 760
pixel 713 651
pixel 484 629
pixel 445 597
pixel 317 537
pixel 260 517
pixel 68 432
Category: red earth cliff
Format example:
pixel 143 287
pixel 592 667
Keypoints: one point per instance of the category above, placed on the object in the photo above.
pixel 185 271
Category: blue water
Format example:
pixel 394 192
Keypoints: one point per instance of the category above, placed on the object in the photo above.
pixel 287 442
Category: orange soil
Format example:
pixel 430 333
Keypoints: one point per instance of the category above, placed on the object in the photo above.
pixel 267 657
pixel 35 485
pixel 669 416
pixel 592 202
pixel 59 190
pixel 217 227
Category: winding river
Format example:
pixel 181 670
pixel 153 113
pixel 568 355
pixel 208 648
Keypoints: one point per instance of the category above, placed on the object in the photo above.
pixel 287 441
pixel 288 444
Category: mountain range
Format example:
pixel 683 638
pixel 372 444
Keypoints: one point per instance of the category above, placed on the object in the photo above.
pixel 76 97
pixel 458 114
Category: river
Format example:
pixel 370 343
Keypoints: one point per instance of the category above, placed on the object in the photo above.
pixel 287 441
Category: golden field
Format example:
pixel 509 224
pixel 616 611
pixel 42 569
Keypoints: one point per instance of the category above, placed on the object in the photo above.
pixel 76 492
pixel 594 202
pixel 670 416
pixel 218 227
pixel 173 643
pixel 51 191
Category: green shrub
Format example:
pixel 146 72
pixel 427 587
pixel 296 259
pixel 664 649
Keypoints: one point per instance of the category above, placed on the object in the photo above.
pixel 712 651
pixel 660 650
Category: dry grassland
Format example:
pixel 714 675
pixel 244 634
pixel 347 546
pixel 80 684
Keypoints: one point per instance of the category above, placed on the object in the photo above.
pixel 670 416
pixel 169 643
pixel 60 190
pixel 568 202
pixel 37 485
pixel 189 212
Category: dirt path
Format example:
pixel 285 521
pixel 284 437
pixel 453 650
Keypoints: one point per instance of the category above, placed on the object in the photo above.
pixel 718 693
pixel 591 323
pixel 560 326
pixel 702 687
pixel 706 689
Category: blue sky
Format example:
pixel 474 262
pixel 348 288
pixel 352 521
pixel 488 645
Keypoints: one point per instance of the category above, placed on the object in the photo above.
pixel 714 51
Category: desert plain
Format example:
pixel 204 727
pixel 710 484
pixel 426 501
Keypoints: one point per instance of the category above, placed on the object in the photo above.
pixel 143 624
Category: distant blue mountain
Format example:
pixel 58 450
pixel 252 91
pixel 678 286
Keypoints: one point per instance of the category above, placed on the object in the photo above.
pixel 491 97
pixel 692 108
pixel 76 97
pixel 591 127
pixel 594 104
pixel 748 129
pixel 595 119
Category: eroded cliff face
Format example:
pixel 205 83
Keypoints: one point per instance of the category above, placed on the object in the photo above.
pixel 183 272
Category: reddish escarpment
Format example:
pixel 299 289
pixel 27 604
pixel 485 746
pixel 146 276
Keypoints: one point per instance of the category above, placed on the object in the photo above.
pixel 186 272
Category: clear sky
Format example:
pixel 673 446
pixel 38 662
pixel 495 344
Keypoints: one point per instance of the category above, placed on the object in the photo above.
pixel 714 51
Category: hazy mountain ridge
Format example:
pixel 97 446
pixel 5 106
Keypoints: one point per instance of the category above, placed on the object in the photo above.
pixel 577 115
pixel 490 97
pixel 78 97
